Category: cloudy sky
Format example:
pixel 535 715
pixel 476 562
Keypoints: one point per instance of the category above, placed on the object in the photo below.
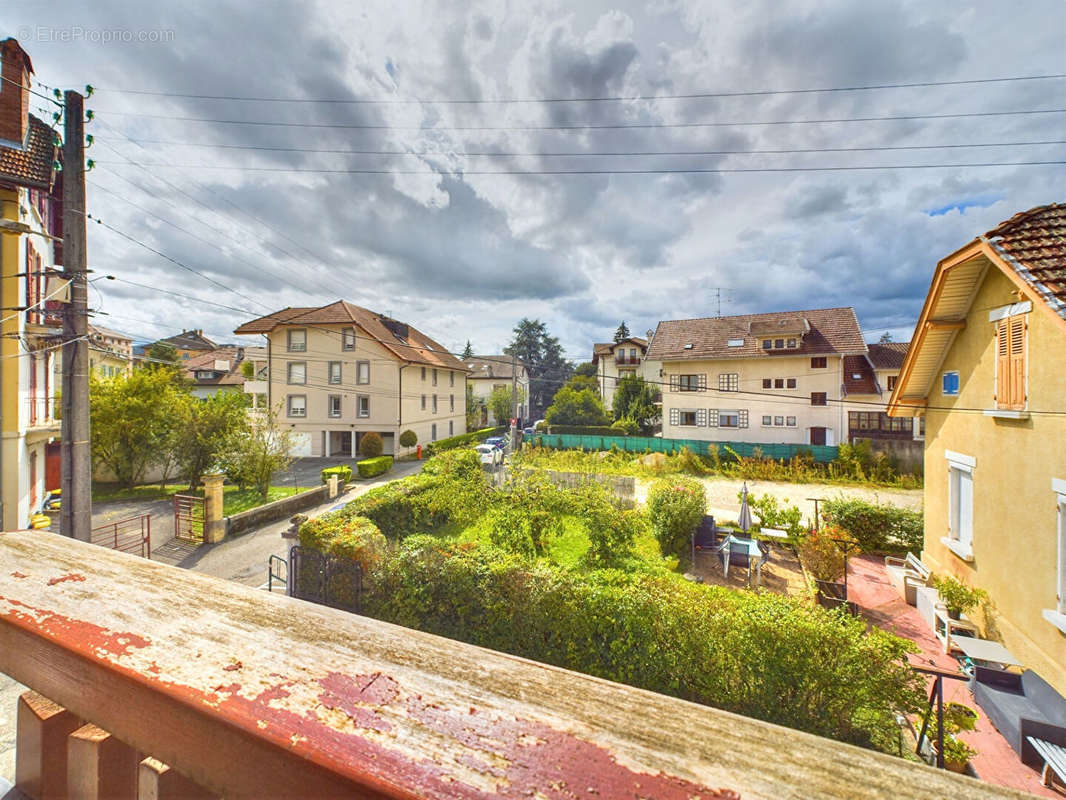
pixel 416 229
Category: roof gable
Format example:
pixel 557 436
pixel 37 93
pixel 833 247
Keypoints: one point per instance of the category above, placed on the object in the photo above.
pixel 33 165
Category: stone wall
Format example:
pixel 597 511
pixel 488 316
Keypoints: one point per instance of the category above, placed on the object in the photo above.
pixel 279 509
pixel 908 454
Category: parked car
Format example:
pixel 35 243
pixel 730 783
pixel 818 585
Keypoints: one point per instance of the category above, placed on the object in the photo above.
pixel 497 441
pixel 528 431
pixel 489 454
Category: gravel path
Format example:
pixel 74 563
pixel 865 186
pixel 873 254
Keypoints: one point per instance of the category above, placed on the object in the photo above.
pixel 722 499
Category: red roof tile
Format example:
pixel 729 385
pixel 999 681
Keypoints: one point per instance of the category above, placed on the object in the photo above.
pixel 859 376
pixel 1033 243
pixel 832 331
pixel 888 355
pixel 32 164
pixel 404 341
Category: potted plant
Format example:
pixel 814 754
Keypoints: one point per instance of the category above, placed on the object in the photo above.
pixel 957 753
pixel 957 597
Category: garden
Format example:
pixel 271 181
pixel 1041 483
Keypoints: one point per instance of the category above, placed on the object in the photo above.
pixel 574 577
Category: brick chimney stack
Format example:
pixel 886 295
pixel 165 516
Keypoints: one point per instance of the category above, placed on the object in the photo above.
pixel 14 92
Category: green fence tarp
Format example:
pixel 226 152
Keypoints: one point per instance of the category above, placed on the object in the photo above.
pixel 640 444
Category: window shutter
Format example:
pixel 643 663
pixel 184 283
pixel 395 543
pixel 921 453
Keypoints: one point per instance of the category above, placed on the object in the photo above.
pixel 742 418
pixel 675 383
pixel 701 417
pixel 1003 365
pixel 712 417
pixel 1017 362
pixel 675 414
pixel 703 381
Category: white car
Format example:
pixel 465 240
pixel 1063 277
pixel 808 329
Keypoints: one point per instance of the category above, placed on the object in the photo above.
pixel 489 454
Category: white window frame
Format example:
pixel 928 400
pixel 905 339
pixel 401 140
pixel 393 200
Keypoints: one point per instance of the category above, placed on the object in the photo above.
pixel 1057 615
pixel 289 379
pixel 960 504
pixel 360 400
pixel 338 368
pixel 334 399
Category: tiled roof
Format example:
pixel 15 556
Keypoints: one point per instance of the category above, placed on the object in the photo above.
pixel 888 355
pixel 606 348
pixel 832 330
pixel 859 376
pixel 206 361
pixel 31 165
pixel 491 367
pixel 190 340
pixel 108 332
pixel 1034 244
pixel 404 341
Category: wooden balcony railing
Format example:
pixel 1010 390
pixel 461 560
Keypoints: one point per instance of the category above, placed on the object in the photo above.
pixel 246 694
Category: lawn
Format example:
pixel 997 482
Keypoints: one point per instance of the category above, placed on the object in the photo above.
pixel 234 500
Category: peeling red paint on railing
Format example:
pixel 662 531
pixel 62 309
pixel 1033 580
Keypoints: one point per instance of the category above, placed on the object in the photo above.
pixel 71 576
pixel 17 574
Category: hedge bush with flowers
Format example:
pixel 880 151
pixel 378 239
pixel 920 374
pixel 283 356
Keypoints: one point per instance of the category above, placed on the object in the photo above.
pixel 675 509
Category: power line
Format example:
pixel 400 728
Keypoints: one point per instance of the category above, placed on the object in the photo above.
pixel 31 91
pixel 591 99
pixel 558 154
pixel 649 171
pixel 584 127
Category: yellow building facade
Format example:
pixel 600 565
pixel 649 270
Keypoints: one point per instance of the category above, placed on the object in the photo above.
pixel 987 368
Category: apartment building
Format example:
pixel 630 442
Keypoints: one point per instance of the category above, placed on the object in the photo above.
pixel 488 373
pixel 337 372
pixel 30 289
pixel 616 360
pixel 774 378
pixel 110 352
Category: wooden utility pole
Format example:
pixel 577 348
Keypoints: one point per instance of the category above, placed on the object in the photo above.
pixel 76 509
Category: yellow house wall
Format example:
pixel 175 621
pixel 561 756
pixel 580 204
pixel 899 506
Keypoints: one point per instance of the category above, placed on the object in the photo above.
pixel 9 367
pixel 1014 527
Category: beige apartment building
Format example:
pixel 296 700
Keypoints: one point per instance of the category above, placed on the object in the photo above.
pixel 488 373
pixel 773 378
pixel 340 371
pixel 617 360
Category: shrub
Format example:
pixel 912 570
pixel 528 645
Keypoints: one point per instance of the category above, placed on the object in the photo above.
pixel 343 473
pixel 822 552
pixel 351 537
pixel 877 527
pixel 461 440
pixel 675 508
pixel 763 655
pixel 585 430
pixel 957 596
pixel 370 445
pixel 771 515
pixel 626 426
pixel 372 467
pixel 408 438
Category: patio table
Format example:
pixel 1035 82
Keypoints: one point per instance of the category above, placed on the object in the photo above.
pixel 736 544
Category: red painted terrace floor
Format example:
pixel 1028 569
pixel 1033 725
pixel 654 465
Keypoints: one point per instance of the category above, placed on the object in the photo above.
pixel 995 762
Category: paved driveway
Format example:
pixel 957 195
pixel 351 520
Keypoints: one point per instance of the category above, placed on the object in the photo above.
pixel 308 471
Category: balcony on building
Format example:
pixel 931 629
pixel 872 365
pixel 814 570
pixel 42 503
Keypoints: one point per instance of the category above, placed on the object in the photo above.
pixel 42 416
pixel 623 360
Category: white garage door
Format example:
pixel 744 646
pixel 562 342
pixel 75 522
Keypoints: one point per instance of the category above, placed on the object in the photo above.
pixel 301 445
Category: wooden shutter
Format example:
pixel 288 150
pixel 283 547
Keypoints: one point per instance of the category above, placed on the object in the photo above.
pixel 703 381
pixel 675 413
pixel 742 418
pixel 701 417
pixel 712 417
pixel 1017 362
pixel 675 383
pixel 1003 363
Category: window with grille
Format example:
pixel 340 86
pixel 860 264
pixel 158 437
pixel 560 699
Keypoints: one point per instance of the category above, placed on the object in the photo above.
pixel 1010 363
pixel 297 372
pixel 729 382
pixel 334 371
pixel 819 399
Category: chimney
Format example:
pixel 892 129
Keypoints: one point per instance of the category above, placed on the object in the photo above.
pixel 14 92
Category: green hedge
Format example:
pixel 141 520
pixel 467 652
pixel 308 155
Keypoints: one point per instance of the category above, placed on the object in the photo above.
pixel 344 473
pixel 878 528
pixel 372 467
pixel 441 445
pixel 586 430
pixel 762 655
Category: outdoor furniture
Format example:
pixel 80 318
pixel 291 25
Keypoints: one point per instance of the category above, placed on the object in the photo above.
pixel 706 535
pixel 926 601
pixel 1022 707
pixel 907 574
pixel 949 630
pixel 773 533
pixel 737 551
pixel 987 652
pixel 1054 760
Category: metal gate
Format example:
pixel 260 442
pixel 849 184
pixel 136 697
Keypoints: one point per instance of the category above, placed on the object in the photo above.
pixel 130 535
pixel 327 580
pixel 188 518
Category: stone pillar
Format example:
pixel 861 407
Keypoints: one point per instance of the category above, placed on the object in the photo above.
pixel 333 480
pixel 41 747
pixel 214 522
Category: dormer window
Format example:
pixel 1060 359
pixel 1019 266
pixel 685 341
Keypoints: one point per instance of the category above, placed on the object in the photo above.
pixel 792 343
pixel 767 344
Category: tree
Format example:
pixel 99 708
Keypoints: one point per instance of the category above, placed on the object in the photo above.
pixel 468 352
pixel 371 445
pixel 132 419
pixel 501 403
pixel 473 409
pixel 251 455
pixel 162 352
pixel 204 432
pixel 586 368
pixel 572 406
pixel 584 382
pixel 634 398
pixel 542 356
pixel 408 438
pixel 886 337
pixel 622 333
